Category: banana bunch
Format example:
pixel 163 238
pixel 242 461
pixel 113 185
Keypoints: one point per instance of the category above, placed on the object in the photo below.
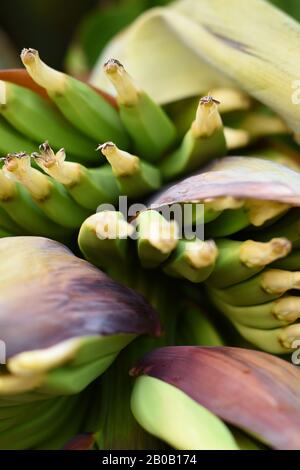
pixel 222 271
pixel 144 144
pixel 72 323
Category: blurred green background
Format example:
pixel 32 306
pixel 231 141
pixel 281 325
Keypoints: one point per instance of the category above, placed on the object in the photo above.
pixel 71 33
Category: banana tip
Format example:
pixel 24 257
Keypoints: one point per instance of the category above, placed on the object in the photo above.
pixel 209 100
pixel 106 146
pixel 112 66
pixel 29 55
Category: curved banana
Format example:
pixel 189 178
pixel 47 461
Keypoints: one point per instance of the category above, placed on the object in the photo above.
pixel 263 287
pixel 34 117
pixel 150 128
pixel 240 260
pixel 135 177
pixel 157 238
pixel 78 102
pixel 203 141
pixel 193 260
pixel 171 415
pixel 49 195
pixel 88 187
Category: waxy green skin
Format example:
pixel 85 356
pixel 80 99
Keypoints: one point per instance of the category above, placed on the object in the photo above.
pixel 28 215
pixel 178 265
pixel 254 316
pixel 193 153
pixel 36 118
pixel 150 129
pixel 12 141
pixel 228 223
pixel 169 414
pixel 146 180
pixel 149 255
pixel 229 269
pixel 245 293
pixel 90 113
pixel 104 253
pixel 95 186
pixel 60 208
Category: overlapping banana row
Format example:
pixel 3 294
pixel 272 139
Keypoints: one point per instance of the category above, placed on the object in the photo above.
pixel 63 323
pixel 145 145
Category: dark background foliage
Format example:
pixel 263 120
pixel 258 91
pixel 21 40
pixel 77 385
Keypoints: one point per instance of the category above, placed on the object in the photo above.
pixel 52 25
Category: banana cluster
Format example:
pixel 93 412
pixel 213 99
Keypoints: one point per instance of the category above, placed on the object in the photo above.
pixel 69 153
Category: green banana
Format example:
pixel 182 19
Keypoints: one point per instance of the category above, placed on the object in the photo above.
pixel 280 312
pixel 60 417
pixel 78 102
pixel 103 240
pixel 193 260
pixel 35 118
pixel 203 141
pixel 171 415
pixel 259 124
pixel 208 210
pixel 288 226
pixel 12 141
pixel 236 138
pixel 290 262
pixel 135 177
pixel 88 187
pixel 249 389
pixel 251 213
pixel 7 223
pixel 49 195
pixel 275 341
pixel 4 233
pixel 157 238
pixel 20 207
pixel 240 260
pixel 195 327
pixel 150 128
pixel 264 287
